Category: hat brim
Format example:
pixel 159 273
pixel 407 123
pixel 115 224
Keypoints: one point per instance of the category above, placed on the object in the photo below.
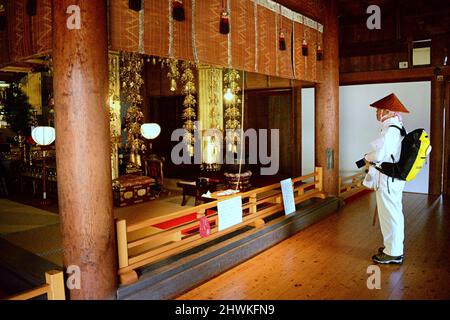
pixel 390 102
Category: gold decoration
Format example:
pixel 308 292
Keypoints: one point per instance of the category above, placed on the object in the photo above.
pixel 189 103
pixel 49 64
pixel 211 115
pixel 131 78
pixel 232 114
pixel 114 112
pixel 173 74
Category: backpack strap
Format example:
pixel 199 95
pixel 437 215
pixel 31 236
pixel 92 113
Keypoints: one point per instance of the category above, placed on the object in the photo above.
pixel 402 129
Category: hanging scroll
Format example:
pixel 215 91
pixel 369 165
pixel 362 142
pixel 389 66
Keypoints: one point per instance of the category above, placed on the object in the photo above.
pixel 41 26
pixel 319 66
pixel 19 30
pixel 285 57
pixel 267 41
pixel 156 24
pixel 212 46
pixel 243 34
pixel 124 27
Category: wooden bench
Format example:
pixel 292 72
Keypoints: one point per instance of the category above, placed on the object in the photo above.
pixel 140 243
pixel 54 288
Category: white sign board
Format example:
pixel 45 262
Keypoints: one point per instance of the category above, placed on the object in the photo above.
pixel 230 212
pixel 288 196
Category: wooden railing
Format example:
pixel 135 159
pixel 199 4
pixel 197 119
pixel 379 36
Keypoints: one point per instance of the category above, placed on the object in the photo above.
pixel 351 185
pixel 54 288
pixel 142 242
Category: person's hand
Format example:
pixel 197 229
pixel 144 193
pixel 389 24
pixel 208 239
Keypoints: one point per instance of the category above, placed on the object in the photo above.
pixel 367 166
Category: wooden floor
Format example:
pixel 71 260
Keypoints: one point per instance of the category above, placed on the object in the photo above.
pixel 329 260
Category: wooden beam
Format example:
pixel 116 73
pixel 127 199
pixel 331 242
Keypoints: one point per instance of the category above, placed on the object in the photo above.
pixel 372 48
pixel 16 69
pixel 411 74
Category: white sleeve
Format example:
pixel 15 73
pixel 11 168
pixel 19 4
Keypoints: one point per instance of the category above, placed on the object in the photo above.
pixel 387 145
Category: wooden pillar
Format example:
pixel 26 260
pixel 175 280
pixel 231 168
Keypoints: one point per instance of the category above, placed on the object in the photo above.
pixel 436 136
pixel 80 84
pixel 446 183
pixel 436 117
pixel 296 136
pixel 327 104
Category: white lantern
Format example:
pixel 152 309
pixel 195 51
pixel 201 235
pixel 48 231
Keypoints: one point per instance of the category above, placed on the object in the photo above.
pixel 228 96
pixel 43 136
pixel 150 130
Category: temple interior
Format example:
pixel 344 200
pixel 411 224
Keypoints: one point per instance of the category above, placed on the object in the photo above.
pixel 189 149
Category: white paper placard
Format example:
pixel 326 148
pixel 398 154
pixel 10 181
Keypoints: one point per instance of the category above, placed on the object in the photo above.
pixel 230 212
pixel 288 196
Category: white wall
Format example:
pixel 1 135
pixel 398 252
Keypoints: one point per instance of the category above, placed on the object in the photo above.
pixel 308 149
pixel 358 125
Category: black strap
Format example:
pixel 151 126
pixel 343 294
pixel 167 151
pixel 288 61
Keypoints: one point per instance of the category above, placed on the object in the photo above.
pixel 402 129
pixel 393 168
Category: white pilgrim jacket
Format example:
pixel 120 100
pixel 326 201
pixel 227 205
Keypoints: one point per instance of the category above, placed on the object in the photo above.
pixel 389 143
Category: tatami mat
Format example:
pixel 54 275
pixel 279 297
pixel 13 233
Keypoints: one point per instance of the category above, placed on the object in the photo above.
pixel 37 230
pixel 17 217
pixel 45 242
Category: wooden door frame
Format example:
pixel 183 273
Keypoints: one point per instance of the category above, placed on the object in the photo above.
pixel 446 154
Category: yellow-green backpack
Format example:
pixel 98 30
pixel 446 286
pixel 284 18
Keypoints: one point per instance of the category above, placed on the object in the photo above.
pixel 415 150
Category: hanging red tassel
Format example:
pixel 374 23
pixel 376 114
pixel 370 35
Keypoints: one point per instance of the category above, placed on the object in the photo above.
pixel 135 5
pixel 224 23
pixel 319 53
pixel 282 41
pixel 304 48
pixel 31 7
pixel 2 18
pixel 178 10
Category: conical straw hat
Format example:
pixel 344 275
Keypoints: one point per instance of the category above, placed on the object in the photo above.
pixel 391 102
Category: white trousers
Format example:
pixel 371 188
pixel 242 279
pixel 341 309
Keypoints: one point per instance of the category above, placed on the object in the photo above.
pixel 390 214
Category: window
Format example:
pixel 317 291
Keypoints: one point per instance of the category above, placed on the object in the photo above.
pixel 421 53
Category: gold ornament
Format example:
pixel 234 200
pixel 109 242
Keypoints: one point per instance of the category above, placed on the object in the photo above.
pixel 131 78
pixel 173 74
pixel 232 102
pixel 189 103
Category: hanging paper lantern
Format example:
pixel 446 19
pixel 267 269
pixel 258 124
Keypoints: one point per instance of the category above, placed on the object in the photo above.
pixel 304 48
pixel 150 130
pixel 224 23
pixel 135 5
pixel 178 10
pixel 43 136
pixel 282 41
pixel 319 53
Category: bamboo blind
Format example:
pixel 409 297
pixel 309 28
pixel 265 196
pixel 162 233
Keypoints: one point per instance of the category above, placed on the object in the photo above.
pixel 19 30
pixel 252 44
pixel 41 27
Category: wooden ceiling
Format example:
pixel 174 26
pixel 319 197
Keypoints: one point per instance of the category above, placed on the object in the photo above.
pixel 354 9
pixel 310 8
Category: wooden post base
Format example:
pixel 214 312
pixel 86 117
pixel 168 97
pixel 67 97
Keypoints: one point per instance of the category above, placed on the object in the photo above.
pixel 258 223
pixel 129 277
